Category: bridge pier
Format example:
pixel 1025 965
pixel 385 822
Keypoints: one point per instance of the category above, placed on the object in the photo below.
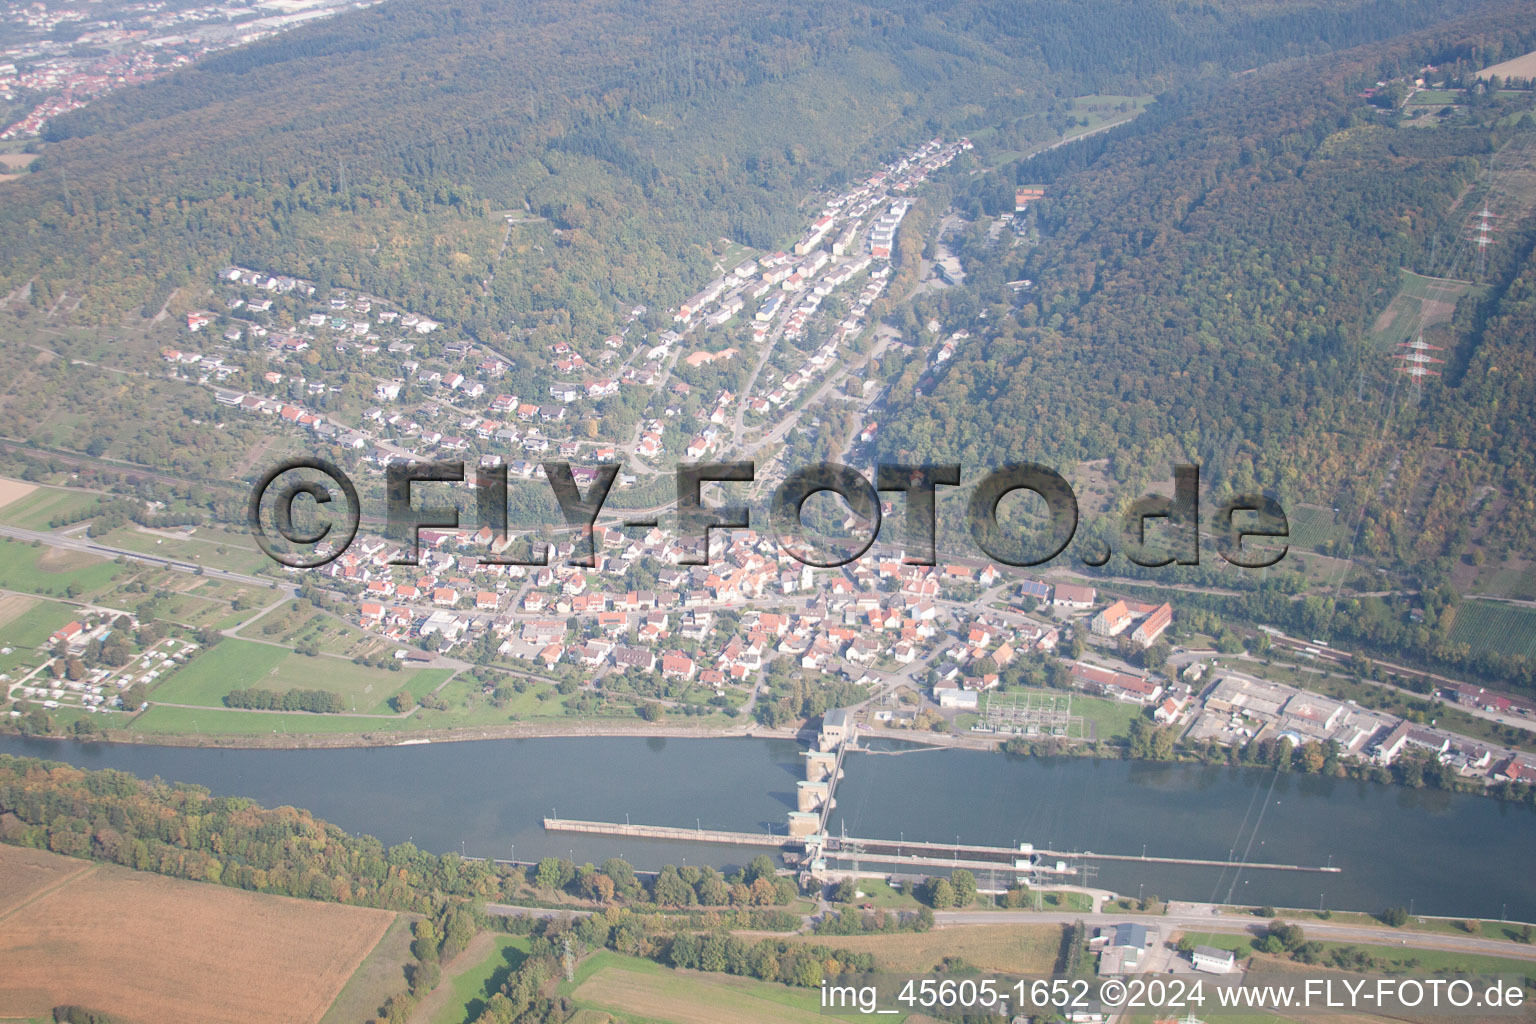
pixel 819 764
pixel 812 796
pixel 803 824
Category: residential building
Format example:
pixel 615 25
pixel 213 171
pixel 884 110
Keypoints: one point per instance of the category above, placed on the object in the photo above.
pixel 1153 626
pixel 1112 620
pixel 1070 595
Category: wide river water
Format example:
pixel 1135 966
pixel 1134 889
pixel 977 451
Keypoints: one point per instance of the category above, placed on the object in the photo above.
pixel 1447 853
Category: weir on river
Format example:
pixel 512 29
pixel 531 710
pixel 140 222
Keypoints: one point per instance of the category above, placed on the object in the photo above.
pixel 815 799
pixel 885 851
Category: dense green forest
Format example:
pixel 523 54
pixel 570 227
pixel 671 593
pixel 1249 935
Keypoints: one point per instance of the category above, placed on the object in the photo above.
pixel 375 150
pixel 1203 286
pixel 1200 288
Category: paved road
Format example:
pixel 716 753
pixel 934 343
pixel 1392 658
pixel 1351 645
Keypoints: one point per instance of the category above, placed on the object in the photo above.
pixel 1198 923
pixel 508 910
pixel 106 551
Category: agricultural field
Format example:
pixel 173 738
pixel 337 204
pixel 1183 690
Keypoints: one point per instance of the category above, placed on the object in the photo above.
pixel 236 664
pixel 1421 305
pixel 1012 948
pixel 53 571
pixel 230 665
pixel 1437 960
pixel 159 949
pixel 640 989
pixel 1491 626
pixel 34 507
pixel 13 491
pixel 25 624
pixel 1313 526
pixel 29 621
pixel 14 165
pixel 379 976
pixel 1521 67
pixel 28 874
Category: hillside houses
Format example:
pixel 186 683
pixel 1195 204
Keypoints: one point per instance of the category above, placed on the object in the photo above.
pixel 383 343
pixel 447 397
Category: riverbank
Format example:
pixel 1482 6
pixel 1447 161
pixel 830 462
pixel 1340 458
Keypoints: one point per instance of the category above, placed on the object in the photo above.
pixel 546 729
pixel 511 731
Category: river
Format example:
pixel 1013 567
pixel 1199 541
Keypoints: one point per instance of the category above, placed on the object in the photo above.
pixel 1447 853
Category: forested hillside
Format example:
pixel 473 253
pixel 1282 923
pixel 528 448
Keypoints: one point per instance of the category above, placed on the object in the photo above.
pixel 1199 283
pixel 1204 285
pixel 374 150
